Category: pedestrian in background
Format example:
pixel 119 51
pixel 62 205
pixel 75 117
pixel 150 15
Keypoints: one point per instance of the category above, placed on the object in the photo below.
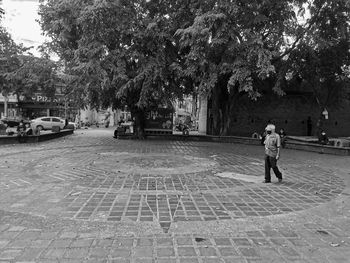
pixel 21 132
pixel 283 136
pixel 121 121
pixel 309 126
pixel 272 153
pixel 323 138
pixel 29 130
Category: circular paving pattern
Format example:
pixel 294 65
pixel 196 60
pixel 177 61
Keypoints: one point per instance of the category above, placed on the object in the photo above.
pixel 152 163
pixel 170 182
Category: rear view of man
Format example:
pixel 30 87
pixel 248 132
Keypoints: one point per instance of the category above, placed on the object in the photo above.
pixel 272 153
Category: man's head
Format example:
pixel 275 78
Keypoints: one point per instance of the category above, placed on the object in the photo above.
pixel 270 128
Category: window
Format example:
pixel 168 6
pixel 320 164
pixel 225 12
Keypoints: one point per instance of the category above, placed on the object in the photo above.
pixel 56 120
pixel 45 119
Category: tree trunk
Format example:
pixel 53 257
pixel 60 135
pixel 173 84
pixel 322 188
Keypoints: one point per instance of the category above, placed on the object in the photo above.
pixel 221 105
pixel 194 106
pixel 139 123
pixel 223 108
pixel 6 99
pixel 215 112
pixel 203 115
pixel 227 122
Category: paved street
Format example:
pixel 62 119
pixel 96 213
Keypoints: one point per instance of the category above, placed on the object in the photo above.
pixel 91 198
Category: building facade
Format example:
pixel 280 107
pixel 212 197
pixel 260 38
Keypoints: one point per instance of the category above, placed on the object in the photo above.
pixel 186 111
pixel 297 113
pixel 36 106
pixel 99 117
pixel 39 105
pixel 12 106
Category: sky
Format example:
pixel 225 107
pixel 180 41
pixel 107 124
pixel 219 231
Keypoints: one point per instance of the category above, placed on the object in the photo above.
pixel 19 20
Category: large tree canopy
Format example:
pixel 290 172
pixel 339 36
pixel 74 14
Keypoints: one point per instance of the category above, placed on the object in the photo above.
pixel 251 46
pixel 144 52
pixel 323 55
pixel 8 57
pixel 34 74
pixel 122 49
pixel 22 73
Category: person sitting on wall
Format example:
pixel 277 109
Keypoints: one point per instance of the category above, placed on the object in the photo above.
pixel 323 138
pixel 36 131
pixel 107 121
pixel 29 130
pixel 8 130
pixel 3 127
pixel 121 120
pixel 283 136
pixel 21 131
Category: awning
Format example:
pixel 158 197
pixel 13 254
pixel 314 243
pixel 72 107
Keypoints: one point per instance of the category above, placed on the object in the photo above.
pixel 183 112
pixel 38 106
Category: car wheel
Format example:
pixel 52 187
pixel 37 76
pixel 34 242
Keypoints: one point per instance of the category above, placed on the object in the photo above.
pixel 39 127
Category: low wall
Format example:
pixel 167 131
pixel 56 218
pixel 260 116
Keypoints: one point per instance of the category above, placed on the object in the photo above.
pixel 205 138
pixel 295 145
pixel 311 147
pixel 35 138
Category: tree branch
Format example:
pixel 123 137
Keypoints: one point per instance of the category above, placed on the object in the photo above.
pixel 299 37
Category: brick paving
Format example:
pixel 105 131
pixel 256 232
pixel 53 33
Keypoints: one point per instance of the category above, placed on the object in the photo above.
pixel 91 198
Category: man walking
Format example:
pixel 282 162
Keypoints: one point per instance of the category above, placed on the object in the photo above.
pixel 272 153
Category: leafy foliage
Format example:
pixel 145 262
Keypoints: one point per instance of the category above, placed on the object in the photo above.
pixel 2 12
pixel 239 47
pixel 143 53
pixel 125 49
pixel 34 74
pixel 9 51
pixel 21 73
pixel 323 54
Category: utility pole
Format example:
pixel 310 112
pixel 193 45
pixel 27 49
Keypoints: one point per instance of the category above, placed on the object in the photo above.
pixel 203 115
pixel 6 100
pixel 65 108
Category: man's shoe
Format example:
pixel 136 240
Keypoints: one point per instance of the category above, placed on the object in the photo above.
pixel 280 180
pixel 266 182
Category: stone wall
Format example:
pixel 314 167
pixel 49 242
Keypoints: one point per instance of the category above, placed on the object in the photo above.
pixel 289 112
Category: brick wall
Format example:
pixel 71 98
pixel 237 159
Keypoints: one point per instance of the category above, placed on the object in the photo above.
pixel 289 112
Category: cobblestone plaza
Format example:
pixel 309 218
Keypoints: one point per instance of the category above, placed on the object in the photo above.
pixel 92 198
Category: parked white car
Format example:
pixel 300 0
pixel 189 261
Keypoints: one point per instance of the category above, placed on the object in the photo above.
pixel 46 123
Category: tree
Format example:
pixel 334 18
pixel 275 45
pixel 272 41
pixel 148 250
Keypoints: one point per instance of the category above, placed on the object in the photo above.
pixel 21 73
pixel 141 53
pixel 320 61
pixel 241 47
pixel 34 74
pixel 120 52
pixel 8 61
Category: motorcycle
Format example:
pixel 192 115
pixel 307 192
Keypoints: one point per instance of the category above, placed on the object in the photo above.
pixel 183 128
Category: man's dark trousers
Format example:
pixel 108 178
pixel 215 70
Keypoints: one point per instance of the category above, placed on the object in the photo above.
pixel 271 162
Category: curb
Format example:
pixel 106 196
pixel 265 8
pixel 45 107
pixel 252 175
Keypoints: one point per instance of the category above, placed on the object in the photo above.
pixel 35 138
pixel 295 145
